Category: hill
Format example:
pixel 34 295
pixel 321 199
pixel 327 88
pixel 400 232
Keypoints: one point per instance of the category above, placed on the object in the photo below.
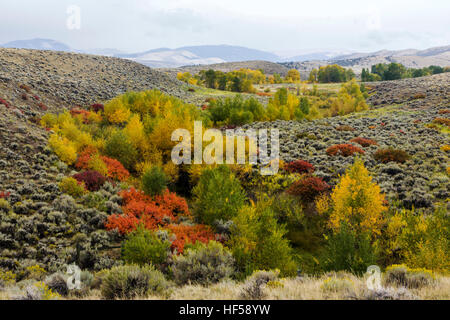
pixel 79 79
pixel 38 44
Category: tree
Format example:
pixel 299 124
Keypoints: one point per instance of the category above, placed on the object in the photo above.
pixel 358 202
pixel 210 78
pixel 154 181
pixel 258 243
pixel 293 75
pixel 218 196
pixel 313 76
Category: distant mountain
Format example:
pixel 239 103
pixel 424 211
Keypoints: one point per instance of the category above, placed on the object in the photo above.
pixel 38 44
pixel 198 55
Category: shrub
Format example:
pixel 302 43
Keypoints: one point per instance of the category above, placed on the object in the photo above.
pixel 363 142
pixel 218 196
pixel 402 276
pixel 115 169
pixel 7 278
pixel 346 250
pixel 442 121
pixel 334 284
pixel 72 187
pixel 309 188
pixel 345 150
pixel 92 180
pixel 391 155
pixel 203 264
pixel 358 201
pixel 154 181
pixel 97 107
pixel 253 288
pixel 119 147
pixel 299 166
pixel 63 148
pixel 4 102
pixel 420 95
pixel 345 128
pixel 131 282
pixel 4 195
pixel 144 247
pixel 188 234
pixel 116 112
pixel 444 111
pixel 257 241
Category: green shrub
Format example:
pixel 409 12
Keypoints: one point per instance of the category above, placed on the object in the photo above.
pixel 347 251
pixel 258 242
pixel 154 181
pixel 218 196
pixel 203 264
pixel 119 147
pixel 132 281
pixel 72 187
pixel 144 247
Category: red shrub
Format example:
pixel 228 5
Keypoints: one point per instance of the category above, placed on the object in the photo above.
pixel 4 195
pixel 92 179
pixel 363 142
pixel 97 107
pixel 309 188
pixel 264 94
pixel 299 166
pixel 6 104
pixel 36 98
pixel 153 213
pixel 24 96
pixel 42 106
pixel 345 150
pixel 186 234
pixel 444 111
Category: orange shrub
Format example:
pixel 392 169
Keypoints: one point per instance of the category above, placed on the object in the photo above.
pixel 186 234
pixel 345 150
pixel 363 142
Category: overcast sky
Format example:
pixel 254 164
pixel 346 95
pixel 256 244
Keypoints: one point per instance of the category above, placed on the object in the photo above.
pixel 275 25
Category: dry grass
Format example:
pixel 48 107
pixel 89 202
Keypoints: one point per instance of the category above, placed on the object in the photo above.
pixel 287 289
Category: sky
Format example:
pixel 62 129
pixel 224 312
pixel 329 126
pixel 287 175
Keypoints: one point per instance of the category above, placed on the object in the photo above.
pixel 281 26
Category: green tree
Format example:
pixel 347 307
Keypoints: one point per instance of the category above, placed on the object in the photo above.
pixel 258 243
pixel 218 196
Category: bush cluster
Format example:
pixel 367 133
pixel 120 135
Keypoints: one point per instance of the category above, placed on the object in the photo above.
pixel 203 264
pixel 391 155
pixel 132 282
pixel 345 150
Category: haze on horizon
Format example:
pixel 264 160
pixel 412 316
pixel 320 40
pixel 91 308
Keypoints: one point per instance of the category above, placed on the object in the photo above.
pixel 282 26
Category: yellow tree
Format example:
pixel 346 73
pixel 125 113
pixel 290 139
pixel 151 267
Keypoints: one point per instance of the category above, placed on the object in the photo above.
pixel 358 202
pixel 293 75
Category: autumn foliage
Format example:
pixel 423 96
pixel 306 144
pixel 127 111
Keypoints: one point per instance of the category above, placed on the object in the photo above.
pixel 162 211
pixel 299 166
pixel 309 188
pixel 363 142
pixel 345 150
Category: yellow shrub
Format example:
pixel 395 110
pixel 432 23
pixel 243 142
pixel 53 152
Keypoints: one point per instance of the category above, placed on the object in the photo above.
pixel 63 148
pixel 7 277
pixel 49 120
pixel 80 138
pixel 116 112
pixel 445 148
pixel 135 130
pixel 71 186
pixel 358 201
